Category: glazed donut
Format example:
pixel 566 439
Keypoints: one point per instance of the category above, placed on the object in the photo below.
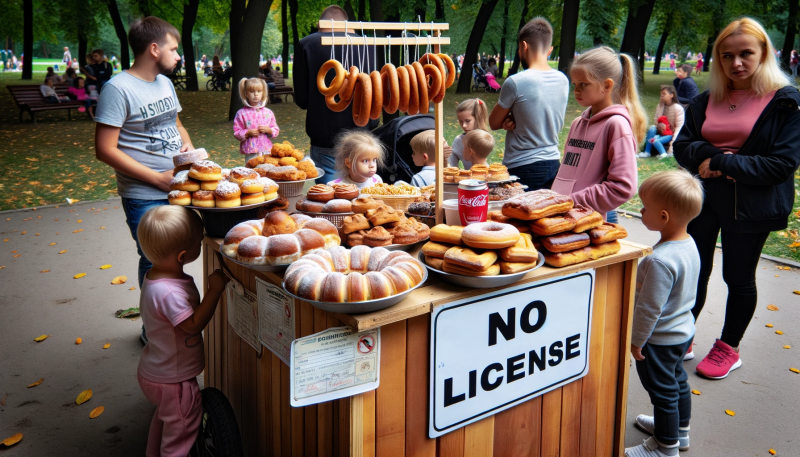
pixel 228 195
pixel 391 88
pixel 179 197
pixel 490 235
pixel 239 175
pixel 205 170
pixel 182 181
pixel 422 87
pixel 252 186
pixel 362 100
pixel 403 89
pixel 253 198
pixel 338 78
pixel 413 91
pixel 349 86
pixel 436 87
pixel 203 199
pixel 451 70
pixel 377 95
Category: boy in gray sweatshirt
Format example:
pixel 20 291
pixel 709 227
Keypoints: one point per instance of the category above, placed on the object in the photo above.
pixel 663 325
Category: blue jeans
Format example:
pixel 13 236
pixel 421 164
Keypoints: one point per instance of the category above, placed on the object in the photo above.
pixel 612 216
pixel 324 158
pixel 536 175
pixel 134 210
pixel 659 141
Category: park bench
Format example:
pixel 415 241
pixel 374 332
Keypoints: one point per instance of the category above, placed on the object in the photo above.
pixel 281 88
pixel 29 98
pixel 178 79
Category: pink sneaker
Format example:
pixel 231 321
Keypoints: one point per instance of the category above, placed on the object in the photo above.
pixel 720 361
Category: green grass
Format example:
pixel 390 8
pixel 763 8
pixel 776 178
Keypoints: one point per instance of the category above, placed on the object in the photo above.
pixel 54 161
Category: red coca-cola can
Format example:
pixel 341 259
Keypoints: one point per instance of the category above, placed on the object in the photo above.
pixel 473 201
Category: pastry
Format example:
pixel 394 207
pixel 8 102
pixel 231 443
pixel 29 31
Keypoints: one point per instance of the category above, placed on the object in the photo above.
pixel 179 197
pixel 308 167
pixel 203 199
pixel 493 270
pixel 300 219
pixel 278 249
pixel 404 234
pixel 252 186
pixel 264 169
pixel 434 249
pixel 421 208
pixel 252 199
pixel 186 167
pixel 356 238
pixel 537 204
pixel 448 234
pixel 287 162
pixel 479 172
pixel 523 251
pixel 490 235
pixel 364 204
pixel 509 268
pixel 462 175
pixel 585 218
pixel 345 191
pixel 285 174
pixel 270 189
pixel 497 216
pixel 277 223
pixel 355 223
pixel 383 215
pixel 309 206
pixel 547 226
pixel 209 185
pixel 182 181
pixel 468 258
pixel 378 236
pixel 564 242
pixel 239 175
pixel 279 203
pixel 325 228
pixel 189 157
pixel 338 205
pixel 205 170
pixel 320 193
pixel 227 195
pixel 434 262
pixel 238 233
pixel 607 232
pixel 591 252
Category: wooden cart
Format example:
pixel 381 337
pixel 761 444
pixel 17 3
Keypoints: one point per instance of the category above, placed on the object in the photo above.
pixel 583 418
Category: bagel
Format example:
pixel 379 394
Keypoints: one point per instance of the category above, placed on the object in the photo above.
pixel 436 86
pixel 413 91
pixel 391 88
pixel 422 87
pixel 451 70
pixel 377 95
pixel 362 100
pixel 335 106
pixel 434 60
pixel 338 79
pixel 349 86
pixel 403 90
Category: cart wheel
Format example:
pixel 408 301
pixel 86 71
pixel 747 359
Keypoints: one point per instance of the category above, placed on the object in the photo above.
pixel 219 432
pixel 210 84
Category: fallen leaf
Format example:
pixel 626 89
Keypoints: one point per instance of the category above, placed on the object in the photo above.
pixel 45 271
pixel 40 338
pixel 777 276
pixel 119 280
pixel 24 232
pixel 14 252
pixel 770 325
pixel 78 341
pixel 787 347
pixel 77 231
pixel 102 227
pixel 62 252
pixel 52 244
pixel 5 240
pixel 729 412
pixel 794 370
pixel 107 345
pixel 796 292
pixel 2 266
pixel 84 396
pixel 3 401
pixel 779 332
pixel 772 307
pixel 96 412
pixel 80 220
pixel 130 312
pixel 796 244
pixel 12 440
pixel 772 452
pixel 79 275
pixel 36 383
pixel 105 267
pixel 696 392
pixel 17 255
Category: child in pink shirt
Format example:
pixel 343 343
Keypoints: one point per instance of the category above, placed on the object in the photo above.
pixel 254 125
pixel 174 316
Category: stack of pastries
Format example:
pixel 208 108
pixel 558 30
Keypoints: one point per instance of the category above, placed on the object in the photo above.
pixel 566 233
pixel 284 163
pixel 377 224
pixel 491 173
pixel 205 184
pixel 278 239
pixel 339 275
pixel 328 199
pixel 483 249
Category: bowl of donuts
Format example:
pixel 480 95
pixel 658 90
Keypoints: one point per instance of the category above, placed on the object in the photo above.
pixel 277 240
pixel 398 195
pixel 376 224
pixel 329 202
pixel 358 280
pixel 566 233
pixel 288 167
pixel 492 173
pixel 483 255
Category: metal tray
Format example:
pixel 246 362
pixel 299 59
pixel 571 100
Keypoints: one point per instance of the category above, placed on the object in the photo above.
pixel 405 247
pixel 234 208
pixel 362 306
pixel 272 268
pixel 481 282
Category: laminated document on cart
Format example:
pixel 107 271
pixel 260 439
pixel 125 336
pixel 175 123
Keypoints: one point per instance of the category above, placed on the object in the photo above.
pixel 243 314
pixel 275 319
pixel 335 363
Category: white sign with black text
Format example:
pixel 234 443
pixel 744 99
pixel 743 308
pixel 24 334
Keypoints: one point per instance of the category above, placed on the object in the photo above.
pixel 497 350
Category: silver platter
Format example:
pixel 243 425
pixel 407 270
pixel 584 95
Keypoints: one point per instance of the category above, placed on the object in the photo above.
pixel 362 306
pixel 235 208
pixel 319 170
pixel 272 268
pixel 405 247
pixel 481 282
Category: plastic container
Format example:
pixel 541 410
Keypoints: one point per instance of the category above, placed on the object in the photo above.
pixel 451 212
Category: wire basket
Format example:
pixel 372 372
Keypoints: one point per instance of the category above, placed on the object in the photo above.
pixel 399 202
pixel 295 188
pixel 336 219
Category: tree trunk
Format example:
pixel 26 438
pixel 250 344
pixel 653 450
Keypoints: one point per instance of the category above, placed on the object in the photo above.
pixel 473 45
pixel 83 49
pixel 522 21
pixel 661 43
pixel 639 13
pixel 122 35
pixel 419 10
pixel 641 61
pixel 189 18
pixel 247 28
pixel 362 10
pixel 569 31
pixel 439 10
pixel 501 65
pixel 27 39
pixel 144 7
pixel 44 50
pixel 285 36
pixel 293 11
pixel 791 32
pixel 718 18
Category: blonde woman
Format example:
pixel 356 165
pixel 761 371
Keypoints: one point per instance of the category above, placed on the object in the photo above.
pixel 741 137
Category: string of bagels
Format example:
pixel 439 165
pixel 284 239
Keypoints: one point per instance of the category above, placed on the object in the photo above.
pixel 409 88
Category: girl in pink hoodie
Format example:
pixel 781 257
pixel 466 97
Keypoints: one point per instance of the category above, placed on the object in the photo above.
pixel 599 165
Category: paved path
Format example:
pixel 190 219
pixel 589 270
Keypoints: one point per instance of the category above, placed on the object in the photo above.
pixel 764 393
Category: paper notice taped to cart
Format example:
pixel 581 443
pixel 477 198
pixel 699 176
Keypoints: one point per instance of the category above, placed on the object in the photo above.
pixel 335 363
pixel 275 319
pixel 243 315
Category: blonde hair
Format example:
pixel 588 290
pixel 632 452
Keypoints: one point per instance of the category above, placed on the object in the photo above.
pixel 425 142
pixel 246 84
pixel 167 230
pixel 677 191
pixel 480 142
pixel 603 63
pixel 477 109
pixel 351 145
pixel 767 77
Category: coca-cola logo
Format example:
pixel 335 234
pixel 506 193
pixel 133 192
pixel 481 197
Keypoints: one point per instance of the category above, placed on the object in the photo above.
pixel 474 202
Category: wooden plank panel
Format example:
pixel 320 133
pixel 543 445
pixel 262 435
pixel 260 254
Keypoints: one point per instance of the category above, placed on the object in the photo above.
pixel 324 410
pixel 208 333
pixel 235 365
pixel 298 414
pixel 286 412
pixel 221 338
pixel 628 292
pixel 608 384
pixel 263 397
pixel 571 419
pixel 479 438
pixel 551 423
pixel 452 444
pixel 368 421
pixel 591 382
pixel 249 423
pixel 344 421
pixel 517 431
pixel 306 328
pixel 390 397
pixel 276 404
pixel 417 361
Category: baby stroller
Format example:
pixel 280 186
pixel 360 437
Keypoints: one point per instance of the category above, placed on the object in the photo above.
pixel 491 82
pixel 479 78
pixel 396 136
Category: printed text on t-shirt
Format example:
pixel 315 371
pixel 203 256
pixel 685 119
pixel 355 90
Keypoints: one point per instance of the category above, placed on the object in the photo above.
pixel 583 144
pixel 572 159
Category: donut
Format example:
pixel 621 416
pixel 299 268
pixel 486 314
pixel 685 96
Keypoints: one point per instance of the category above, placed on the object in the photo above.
pixel 391 88
pixel 435 88
pixel 377 95
pixel 252 186
pixel 228 195
pixel 182 181
pixel 362 100
pixel 413 91
pixel 338 205
pixel 451 70
pixel 203 199
pixel 182 168
pixel 349 86
pixel 239 175
pixel 338 78
pixel 189 157
pixel 490 235
pixel 253 198
pixel 309 206
pixel 345 191
pixel 403 90
pixel 320 193
pixel 179 197
pixel 205 170
pixel 422 87
pixel 270 187
pixel 209 185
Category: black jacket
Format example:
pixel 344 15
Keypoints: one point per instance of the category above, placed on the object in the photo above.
pixel 762 195
pixel 322 124
pixel 686 88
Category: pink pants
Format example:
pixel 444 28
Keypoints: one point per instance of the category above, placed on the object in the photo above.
pixel 176 421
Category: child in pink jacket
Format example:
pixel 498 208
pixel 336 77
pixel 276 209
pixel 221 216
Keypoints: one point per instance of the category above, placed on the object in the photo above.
pixel 254 125
pixel 599 165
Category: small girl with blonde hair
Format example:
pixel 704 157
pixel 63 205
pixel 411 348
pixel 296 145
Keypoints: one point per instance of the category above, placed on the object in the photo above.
pixel 358 156
pixel 472 115
pixel 254 125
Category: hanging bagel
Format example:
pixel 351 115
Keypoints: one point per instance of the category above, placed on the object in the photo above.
pixel 422 87
pixel 413 91
pixel 362 100
pixel 436 85
pixel 338 78
pixel 404 89
pixel 349 86
pixel 377 95
pixel 451 70
pixel 391 88
pixel 335 106
pixel 433 59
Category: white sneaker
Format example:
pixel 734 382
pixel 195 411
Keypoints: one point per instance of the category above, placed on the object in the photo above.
pixel 644 155
pixel 647 424
pixel 689 356
pixel 663 156
pixel 651 448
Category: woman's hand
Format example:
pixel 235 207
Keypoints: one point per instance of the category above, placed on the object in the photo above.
pixel 265 129
pixel 706 172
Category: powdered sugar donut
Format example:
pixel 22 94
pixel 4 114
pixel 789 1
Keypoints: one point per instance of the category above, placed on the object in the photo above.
pixel 189 157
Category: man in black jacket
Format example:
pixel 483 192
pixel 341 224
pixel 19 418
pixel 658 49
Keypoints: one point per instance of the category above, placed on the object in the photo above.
pixel 685 85
pixel 322 124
